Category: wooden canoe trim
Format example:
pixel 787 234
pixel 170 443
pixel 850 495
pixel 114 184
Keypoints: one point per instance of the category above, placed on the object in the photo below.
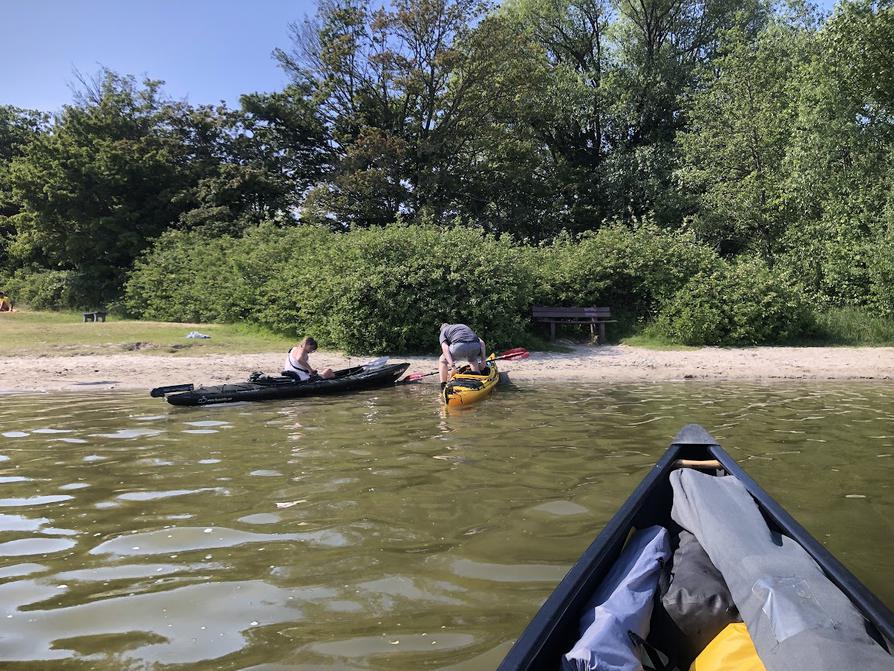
pixel 694 463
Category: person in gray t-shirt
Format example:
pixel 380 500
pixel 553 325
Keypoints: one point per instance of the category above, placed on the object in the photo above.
pixel 458 341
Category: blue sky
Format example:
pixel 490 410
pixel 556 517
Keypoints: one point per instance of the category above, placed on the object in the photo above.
pixel 205 50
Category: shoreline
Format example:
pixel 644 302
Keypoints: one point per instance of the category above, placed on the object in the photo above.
pixel 613 364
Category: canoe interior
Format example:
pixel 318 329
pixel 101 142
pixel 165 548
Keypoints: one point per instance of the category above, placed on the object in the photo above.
pixel 554 629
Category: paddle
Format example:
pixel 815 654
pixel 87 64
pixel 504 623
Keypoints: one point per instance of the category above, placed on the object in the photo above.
pixel 509 355
pixel 376 363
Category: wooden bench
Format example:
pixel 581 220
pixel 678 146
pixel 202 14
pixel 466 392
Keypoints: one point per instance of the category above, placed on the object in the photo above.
pixel 592 316
pixel 97 316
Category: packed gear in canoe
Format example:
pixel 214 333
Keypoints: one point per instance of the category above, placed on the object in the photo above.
pixel 701 566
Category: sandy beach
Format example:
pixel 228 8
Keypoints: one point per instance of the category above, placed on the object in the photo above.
pixel 609 363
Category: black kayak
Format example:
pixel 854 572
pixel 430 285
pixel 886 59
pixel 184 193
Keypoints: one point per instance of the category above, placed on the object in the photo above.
pixel 266 388
pixel 558 628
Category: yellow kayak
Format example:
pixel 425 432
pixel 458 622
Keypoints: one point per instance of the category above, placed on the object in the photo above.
pixel 465 388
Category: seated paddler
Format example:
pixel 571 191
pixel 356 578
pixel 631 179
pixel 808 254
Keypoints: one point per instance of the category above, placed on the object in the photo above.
pixel 299 367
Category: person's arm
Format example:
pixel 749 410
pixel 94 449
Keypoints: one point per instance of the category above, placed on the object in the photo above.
pixel 483 350
pixel 445 348
pixel 303 362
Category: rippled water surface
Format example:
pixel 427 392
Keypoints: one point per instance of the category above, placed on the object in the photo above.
pixel 373 531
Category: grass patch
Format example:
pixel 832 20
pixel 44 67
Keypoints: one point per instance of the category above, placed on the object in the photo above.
pixel 55 333
pixel 656 342
pixel 853 326
pixel 648 337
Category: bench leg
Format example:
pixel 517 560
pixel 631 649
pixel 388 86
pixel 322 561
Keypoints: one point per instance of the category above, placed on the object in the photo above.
pixel 552 331
pixel 601 333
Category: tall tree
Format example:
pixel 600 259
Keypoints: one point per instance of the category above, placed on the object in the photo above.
pixel 840 177
pixel 405 91
pixel 570 114
pixel 619 73
pixel 736 144
pixel 124 163
pixel 18 128
pixel 253 164
pixel 99 184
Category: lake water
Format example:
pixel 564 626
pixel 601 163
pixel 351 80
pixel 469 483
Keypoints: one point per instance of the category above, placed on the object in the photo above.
pixel 373 531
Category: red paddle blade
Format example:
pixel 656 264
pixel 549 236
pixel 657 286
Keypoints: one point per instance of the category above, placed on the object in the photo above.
pixel 412 377
pixel 515 357
pixel 513 354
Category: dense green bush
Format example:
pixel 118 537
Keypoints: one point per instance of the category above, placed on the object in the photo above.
pixel 388 289
pixel 42 290
pixel 188 277
pixel 630 271
pixel 881 269
pixel 744 303
pixel 854 326
pixel 832 260
pixel 375 290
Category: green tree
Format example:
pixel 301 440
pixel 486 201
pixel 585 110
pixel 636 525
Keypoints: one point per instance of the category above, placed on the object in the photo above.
pixel 124 164
pixel 617 77
pixel 242 167
pixel 568 115
pixel 839 175
pixel 99 184
pixel 18 128
pixel 264 158
pixel 409 93
pixel 736 144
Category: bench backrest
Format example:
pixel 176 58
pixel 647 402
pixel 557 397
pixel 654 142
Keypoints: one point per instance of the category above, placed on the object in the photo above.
pixel 542 311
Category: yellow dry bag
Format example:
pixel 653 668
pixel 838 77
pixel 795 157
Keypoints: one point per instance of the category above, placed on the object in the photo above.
pixel 730 650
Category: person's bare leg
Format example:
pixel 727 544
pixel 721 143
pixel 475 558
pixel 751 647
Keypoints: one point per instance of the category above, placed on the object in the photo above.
pixel 442 369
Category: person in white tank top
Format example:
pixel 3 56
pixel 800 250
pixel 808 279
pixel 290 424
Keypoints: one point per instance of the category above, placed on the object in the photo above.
pixel 297 363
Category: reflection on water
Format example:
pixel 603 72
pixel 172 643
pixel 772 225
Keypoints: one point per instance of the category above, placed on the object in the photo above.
pixel 373 531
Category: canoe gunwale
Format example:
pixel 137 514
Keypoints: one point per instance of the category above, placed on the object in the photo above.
pixel 549 635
